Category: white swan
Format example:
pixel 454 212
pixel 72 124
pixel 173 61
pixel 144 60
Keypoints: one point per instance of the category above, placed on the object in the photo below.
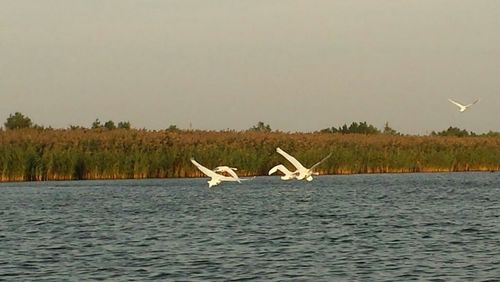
pixel 287 174
pixel 303 172
pixel 230 170
pixel 215 177
pixel 462 108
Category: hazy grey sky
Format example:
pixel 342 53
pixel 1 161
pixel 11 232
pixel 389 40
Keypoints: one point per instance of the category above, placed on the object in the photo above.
pixel 297 65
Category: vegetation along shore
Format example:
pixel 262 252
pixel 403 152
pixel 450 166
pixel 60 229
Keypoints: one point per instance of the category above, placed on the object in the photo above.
pixel 34 153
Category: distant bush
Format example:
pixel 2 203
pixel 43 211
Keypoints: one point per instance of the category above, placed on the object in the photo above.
pixel 354 128
pixel 260 127
pixel 453 131
pixel 18 121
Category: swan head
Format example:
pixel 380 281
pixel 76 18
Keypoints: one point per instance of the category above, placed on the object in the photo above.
pixel 309 178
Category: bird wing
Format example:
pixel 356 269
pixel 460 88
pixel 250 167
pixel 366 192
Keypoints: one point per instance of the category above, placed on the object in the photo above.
pixel 227 169
pixel 228 178
pixel 222 167
pixel 205 170
pixel 291 159
pixel 456 103
pixel 472 103
pixel 281 168
pixel 320 162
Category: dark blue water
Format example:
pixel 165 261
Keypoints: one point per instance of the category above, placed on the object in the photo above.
pixel 436 227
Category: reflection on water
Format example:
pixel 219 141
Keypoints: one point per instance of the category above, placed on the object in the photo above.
pixel 365 227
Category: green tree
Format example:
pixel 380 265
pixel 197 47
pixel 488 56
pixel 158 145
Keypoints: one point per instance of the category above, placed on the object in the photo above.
pixel 17 121
pixel 389 130
pixel 492 134
pixel 110 125
pixel 363 128
pixel 453 131
pixel 261 127
pixel 96 124
pixel 359 128
pixel 124 125
pixel 173 127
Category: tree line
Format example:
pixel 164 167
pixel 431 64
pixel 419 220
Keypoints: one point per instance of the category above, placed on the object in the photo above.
pixel 20 121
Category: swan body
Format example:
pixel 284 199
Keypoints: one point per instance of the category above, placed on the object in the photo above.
pixel 302 172
pixel 215 178
pixel 461 107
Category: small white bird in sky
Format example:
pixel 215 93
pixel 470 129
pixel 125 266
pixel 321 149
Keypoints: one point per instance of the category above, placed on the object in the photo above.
pixel 461 107
pixel 302 172
pixel 215 177
pixel 287 174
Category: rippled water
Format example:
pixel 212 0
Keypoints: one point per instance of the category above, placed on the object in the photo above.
pixel 436 227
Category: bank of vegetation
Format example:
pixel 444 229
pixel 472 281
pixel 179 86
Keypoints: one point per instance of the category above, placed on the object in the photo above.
pixel 36 153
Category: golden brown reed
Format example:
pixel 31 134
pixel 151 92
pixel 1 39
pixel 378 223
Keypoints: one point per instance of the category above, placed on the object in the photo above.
pixel 63 154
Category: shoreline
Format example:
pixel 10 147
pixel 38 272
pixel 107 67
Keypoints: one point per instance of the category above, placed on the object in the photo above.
pixel 198 177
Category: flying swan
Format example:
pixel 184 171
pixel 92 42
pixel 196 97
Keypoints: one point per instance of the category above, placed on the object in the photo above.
pixel 230 170
pixel 302 172
pixel 462 108
pixel 287 174
pixel 215 177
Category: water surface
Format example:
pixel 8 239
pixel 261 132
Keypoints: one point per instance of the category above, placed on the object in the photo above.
pixel 393 227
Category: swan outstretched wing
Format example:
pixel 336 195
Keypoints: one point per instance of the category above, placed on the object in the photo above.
pixel 456 103
pixel 229 178
pixel 320 162
pixel 224 168
pixel 291 159
pixel 477 100
pixel 206 171
pixel 281 168
pixel 227 169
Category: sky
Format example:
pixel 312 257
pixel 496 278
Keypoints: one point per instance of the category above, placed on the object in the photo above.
pixel 224 64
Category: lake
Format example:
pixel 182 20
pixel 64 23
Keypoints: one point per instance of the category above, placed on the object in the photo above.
pixel 381 227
